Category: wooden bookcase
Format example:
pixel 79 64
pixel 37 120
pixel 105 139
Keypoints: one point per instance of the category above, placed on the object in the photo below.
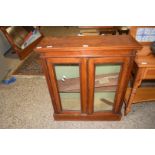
pixel 17 36
pixel 87 76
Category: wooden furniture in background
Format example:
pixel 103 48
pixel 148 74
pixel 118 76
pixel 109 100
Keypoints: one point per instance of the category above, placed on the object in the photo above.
pixel 88 56
pixel 17 36
pixel 144 69
pixel 142 95
pixel 104 30
pixel 123 30
pixel 97 30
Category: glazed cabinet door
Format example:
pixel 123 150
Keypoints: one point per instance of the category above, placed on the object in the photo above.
pixel 68 84
pixel 107 84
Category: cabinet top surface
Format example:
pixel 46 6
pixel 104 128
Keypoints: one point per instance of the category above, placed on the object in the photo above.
pixel 88 43
pixel 146 61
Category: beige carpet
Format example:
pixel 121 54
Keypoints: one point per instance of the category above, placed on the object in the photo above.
pixel 27 104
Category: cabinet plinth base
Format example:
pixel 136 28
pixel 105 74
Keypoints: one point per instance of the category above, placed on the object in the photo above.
pixel 94 117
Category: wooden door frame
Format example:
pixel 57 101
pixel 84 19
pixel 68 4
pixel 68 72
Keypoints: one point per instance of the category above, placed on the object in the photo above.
pixel 83 82
pixel 122 81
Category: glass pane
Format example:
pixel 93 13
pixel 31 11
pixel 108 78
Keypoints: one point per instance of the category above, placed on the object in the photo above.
pixel 68 79
pixel 106 81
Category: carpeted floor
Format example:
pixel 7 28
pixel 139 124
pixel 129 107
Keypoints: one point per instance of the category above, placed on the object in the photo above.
pixel 31 66
pixel 26 104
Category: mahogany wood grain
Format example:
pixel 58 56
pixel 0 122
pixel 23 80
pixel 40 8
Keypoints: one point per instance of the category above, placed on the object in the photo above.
pixel 137 82
pixel 145 61
pixel 144 68
pixel 146 94
pixel 127 67
pixel 54 86
pixel 91 84
pixel 84 85
pixel 107 116
pixel 94 43
pixel 45 70
pixel 86 53
pixel 146 50
pixel 100 50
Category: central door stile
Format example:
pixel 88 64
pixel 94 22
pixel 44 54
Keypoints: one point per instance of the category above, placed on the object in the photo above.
pixel 84 84
pixel 91 83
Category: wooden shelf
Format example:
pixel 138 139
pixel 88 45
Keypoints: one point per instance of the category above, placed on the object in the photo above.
pixel 100 89
pixel 142 95
pixel 105 82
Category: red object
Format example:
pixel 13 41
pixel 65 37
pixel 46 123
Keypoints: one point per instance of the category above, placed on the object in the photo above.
pixel 28 36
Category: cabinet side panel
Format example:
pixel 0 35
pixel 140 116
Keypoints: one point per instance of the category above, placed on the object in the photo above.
pixel 46 72
pixel 123 83
pixel 54 85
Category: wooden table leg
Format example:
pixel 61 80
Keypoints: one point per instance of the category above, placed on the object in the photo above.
pixel 137 83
